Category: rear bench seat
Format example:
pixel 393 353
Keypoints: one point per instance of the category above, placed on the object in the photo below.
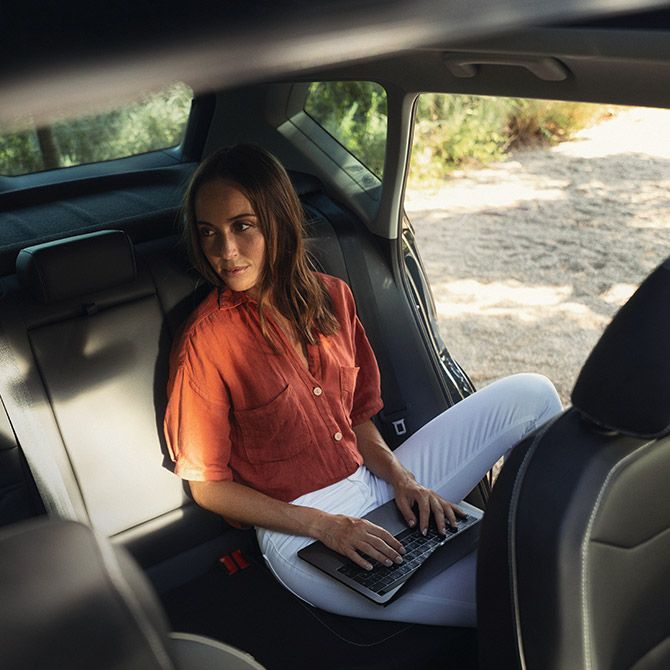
pixel 88 323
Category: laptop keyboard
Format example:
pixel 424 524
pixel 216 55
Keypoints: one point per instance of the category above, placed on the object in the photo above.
pixel 418 548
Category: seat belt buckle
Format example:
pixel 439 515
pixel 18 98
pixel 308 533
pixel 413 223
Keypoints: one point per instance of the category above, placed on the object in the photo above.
pixel 396 419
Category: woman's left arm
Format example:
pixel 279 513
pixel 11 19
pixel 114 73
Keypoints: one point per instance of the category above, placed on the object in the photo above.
pixel 380 460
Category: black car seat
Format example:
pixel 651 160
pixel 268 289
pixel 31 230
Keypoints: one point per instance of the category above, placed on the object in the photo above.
pixel 574 556
pixel 70 599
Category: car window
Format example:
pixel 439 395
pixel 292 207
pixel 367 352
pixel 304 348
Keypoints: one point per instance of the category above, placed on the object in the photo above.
pixel 156 121
pixel 355 114
pixel 535 222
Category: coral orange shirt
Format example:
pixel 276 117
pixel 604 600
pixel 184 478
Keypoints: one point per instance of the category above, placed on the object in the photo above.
pixel 239 411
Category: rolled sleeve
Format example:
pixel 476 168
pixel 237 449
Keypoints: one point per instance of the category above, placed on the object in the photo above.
pixel 367 394
pixel 197 431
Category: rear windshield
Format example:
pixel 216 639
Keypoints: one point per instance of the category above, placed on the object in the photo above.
pixel 155 121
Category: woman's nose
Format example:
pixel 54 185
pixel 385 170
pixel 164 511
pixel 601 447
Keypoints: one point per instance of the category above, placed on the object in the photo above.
pixel 228 247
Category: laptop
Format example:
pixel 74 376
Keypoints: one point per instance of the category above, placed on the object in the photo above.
pixel 382 584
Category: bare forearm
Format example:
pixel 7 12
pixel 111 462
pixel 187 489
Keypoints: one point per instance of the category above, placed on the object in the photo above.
pixel 378 458
pixel 244 505
pixel 410 495
pixel 349 536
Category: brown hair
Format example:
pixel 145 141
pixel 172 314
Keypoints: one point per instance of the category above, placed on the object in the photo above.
pixel 287 281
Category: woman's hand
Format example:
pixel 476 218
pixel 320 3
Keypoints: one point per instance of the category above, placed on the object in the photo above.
pixel 410 495
pixel 352 537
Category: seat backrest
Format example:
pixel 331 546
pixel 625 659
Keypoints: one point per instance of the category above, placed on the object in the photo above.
pixel 89 330
pixel 575 546
pixel 71 600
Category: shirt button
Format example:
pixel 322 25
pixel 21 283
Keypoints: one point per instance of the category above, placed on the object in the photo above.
pixel 338 436
pixel 317 391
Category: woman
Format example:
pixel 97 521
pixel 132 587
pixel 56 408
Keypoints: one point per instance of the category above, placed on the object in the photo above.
pixel 272 388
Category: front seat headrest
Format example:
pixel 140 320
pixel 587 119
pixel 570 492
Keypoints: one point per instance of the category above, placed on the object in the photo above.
pixel 624 385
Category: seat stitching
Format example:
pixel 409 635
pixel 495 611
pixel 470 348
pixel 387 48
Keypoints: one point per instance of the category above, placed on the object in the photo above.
pixel 585 585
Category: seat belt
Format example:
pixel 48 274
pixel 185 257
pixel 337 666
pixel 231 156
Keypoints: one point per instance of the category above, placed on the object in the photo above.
pixel 394 418
pixel 20 408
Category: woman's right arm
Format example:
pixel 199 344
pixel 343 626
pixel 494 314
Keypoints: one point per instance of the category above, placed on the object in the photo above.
pixel 346 535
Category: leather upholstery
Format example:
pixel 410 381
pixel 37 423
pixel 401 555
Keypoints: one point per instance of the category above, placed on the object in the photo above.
pixel 72 600
pixel 623 385
pixel 574 552
pixel 76 266
pixel 69 600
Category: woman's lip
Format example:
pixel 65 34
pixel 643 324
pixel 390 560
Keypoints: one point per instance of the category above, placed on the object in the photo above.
pixel 235 271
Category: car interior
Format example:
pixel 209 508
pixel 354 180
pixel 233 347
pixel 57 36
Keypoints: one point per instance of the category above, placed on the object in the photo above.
pixel 103 551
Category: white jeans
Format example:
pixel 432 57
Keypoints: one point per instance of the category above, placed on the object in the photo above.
pixel 450 454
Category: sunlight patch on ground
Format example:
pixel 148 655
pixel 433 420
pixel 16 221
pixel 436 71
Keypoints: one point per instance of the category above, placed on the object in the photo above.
pixel 493 190
pixel 618 294
pixel 637 131
pixel 530 304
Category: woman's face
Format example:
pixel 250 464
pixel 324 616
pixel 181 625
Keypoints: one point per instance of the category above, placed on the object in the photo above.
pixel 230 235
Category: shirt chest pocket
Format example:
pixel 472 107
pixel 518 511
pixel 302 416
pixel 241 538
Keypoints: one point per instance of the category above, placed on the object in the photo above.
pixel 274 432
pixel 348 376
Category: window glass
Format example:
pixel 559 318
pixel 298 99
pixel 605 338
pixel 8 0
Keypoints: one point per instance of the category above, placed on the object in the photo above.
pixel 535 221
pixel 157 121
pixel 354 113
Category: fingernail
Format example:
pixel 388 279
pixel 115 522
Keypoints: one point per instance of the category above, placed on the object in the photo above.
pixel 443 531
pixel 424 531
pixel 398 560
pixel 388 562
pixel 403 550
pixel 411 523
pixel 368 566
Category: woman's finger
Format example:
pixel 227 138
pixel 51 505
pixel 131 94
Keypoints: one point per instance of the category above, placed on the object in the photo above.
pixel 423 503
pixel 370 550
pixel 356 558
pixel 452 513
pixel 405 507
pixel 385 536
pixel 438 514
pixel 386 544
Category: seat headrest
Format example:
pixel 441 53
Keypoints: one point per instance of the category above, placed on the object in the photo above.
pixel 624 385
pixel 304 183
pixel 76 266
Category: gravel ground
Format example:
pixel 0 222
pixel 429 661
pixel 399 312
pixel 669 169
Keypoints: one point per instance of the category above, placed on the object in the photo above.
pixel 530 258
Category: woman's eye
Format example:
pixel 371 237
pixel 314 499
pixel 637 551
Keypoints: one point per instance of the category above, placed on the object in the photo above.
pixel 205 232
pixel 241 226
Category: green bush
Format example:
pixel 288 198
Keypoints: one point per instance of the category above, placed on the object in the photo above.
pixel 453 131
pixel 354 113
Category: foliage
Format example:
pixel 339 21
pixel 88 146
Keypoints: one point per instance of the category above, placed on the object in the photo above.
pixel 354 113
pixel 453 131
pixel 157 121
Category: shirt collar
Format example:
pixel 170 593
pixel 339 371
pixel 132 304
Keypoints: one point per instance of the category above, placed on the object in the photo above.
pixel 229 299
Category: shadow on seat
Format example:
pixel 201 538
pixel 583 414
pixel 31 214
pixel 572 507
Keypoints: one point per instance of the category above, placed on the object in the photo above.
pixel 574 556
pixel 72 600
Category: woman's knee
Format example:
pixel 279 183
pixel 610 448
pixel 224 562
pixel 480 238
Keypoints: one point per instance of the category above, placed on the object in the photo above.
pixel 534 390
